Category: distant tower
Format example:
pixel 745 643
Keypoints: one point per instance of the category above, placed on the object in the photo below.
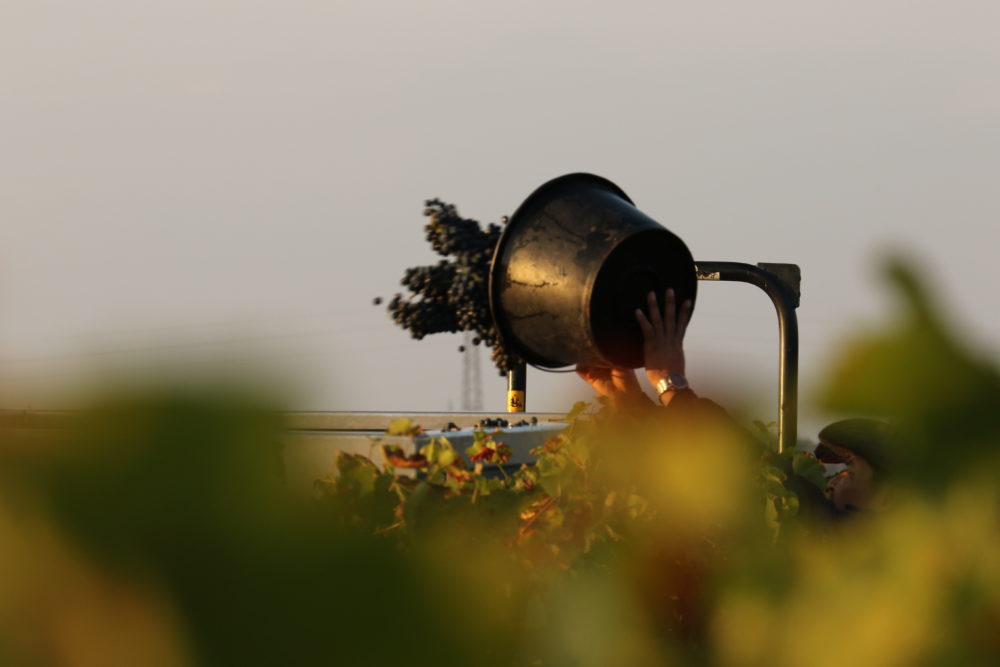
pixel 472 382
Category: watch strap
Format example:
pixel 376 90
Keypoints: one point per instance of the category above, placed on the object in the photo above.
pixel 673 382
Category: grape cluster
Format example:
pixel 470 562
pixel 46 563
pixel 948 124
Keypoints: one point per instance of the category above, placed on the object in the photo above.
pixel 452 295
pixel 500 422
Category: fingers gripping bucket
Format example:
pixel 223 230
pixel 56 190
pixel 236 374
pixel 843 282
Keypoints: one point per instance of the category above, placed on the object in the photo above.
pixel 572 265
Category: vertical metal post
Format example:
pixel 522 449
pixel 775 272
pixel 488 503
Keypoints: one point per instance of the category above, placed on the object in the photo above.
pixel 516 381
pixel 781 282
pixel 472 384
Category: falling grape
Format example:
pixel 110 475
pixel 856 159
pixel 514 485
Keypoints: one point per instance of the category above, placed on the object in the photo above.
pixel 452 295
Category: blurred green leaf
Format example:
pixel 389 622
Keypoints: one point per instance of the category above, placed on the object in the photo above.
pixel 403 426
pixel 578 409
pixel 943 399
pixel 356 472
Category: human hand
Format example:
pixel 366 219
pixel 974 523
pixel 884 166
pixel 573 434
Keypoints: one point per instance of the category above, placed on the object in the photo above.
pixel 618 384
pixel 663 336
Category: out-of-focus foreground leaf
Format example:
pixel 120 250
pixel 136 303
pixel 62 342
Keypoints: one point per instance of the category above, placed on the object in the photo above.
pixel 180 493
pixel 943 399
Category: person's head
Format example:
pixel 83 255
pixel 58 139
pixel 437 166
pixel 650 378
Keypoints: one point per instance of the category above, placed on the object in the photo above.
pixel 861 445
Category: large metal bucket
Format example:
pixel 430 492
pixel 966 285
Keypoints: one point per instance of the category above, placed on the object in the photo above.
pixel 572 265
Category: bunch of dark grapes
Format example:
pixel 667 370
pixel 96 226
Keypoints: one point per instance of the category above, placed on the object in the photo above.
pixel 452 295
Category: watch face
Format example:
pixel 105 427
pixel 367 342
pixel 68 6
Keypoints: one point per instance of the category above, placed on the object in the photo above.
pixel 675 381
pixel 672 381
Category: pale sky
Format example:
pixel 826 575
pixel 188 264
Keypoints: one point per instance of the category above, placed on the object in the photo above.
pixel 188 173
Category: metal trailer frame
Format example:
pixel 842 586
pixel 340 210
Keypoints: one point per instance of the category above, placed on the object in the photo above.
pixel 782 283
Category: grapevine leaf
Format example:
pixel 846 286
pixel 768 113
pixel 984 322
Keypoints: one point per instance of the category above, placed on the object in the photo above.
pixel 578 409
pixel 480 453
pixel 807 466
pixel 395 456
pixel 504 452
pixel 578 451
pixel 403 426
pixel 482 486
pixel 356 473
pixel 550 465
pixel 447 457
pixel 772 474
pixel 771 517
pixel 431 451
pixel 553 474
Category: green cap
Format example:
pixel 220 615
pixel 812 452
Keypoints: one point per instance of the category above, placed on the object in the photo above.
pixel 867 438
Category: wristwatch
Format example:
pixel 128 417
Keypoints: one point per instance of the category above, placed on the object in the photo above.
pixel 673 381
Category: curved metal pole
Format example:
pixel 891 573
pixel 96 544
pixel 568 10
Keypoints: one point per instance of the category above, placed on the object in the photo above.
pixel 781 282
